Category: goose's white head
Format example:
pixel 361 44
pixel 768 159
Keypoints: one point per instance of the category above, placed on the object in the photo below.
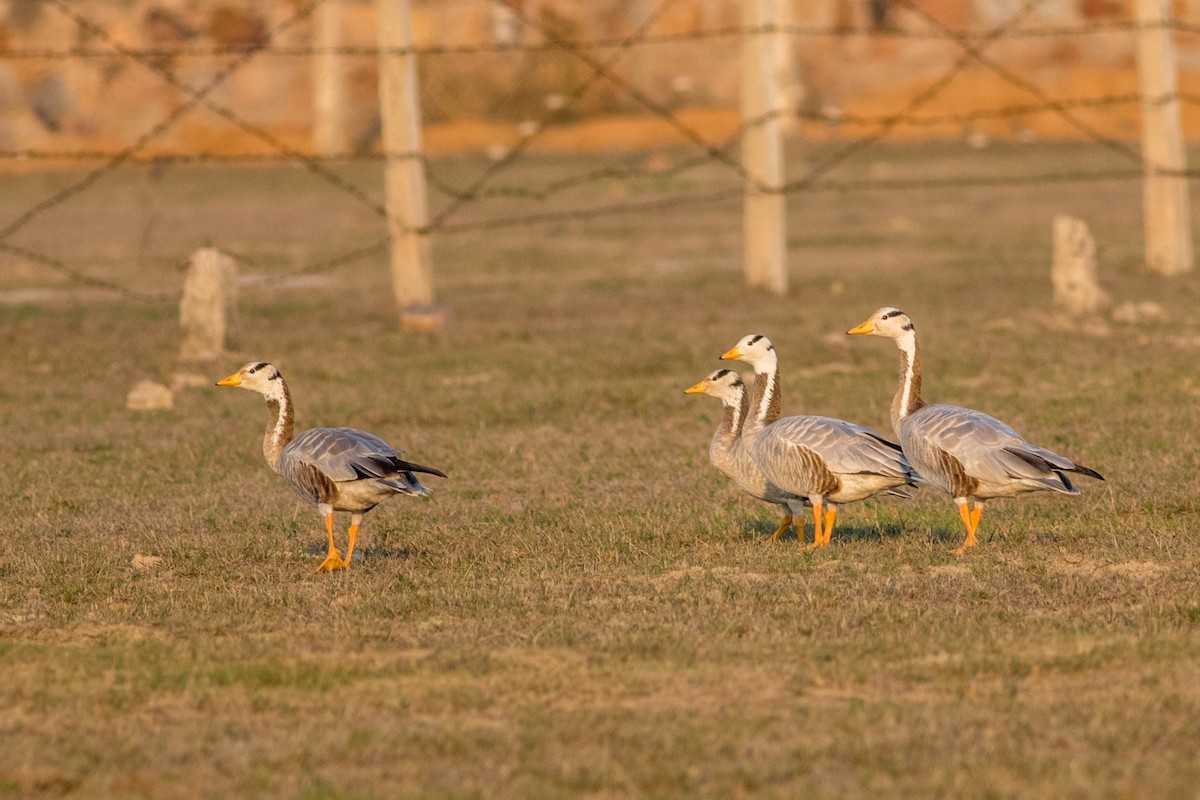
pixel 888 322
pixel 257 376
pixel 756 350
pixel 723 384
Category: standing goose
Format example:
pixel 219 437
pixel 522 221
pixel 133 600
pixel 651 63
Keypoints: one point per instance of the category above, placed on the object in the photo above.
pixel 972 456
pixel 337 469
pixel 827 461
pixel 729 455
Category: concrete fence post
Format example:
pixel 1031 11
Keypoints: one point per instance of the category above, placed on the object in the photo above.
pixel 764 229
pixel 208 310
pixel 1073 273
pixel 1168 223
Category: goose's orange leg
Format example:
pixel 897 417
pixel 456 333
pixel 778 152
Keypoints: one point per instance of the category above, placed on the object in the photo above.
pixel 970 519
pixel 784 524
pixel 818 537
pixel 333 559
pixel 830 518
pixel 352 533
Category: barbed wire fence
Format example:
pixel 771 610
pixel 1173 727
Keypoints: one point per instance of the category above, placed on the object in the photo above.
pixel 600 59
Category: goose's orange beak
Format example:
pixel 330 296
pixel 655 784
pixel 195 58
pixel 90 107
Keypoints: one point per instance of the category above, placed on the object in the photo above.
pixel 233 380
pixel 865 327
pixel 732 354
pixel 698 388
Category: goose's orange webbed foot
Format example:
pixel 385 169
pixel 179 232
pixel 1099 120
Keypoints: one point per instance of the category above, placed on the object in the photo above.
pixel 333 559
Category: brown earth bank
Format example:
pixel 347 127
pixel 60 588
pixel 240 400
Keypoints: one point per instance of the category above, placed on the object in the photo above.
pixel 843 85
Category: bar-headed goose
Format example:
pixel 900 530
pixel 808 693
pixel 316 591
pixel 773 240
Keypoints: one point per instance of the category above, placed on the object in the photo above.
pixel 972 456
pixel 827 461
pixel 732 459
pixel 337 469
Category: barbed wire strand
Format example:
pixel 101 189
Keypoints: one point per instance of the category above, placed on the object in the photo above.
pixel 845 153
pixel 1028 86
pixel 507 191
pixel 77 276
pixel 730 194
pixel 973 44
pixel 639 96
pixel 919 100
pixel 527 140
pixel 323 265
pixel 1101 27
pixel 262 135
pixel 91 178
pixel 737 193
pixel 552 188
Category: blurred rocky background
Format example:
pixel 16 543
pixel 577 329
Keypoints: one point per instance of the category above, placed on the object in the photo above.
pixel 60 92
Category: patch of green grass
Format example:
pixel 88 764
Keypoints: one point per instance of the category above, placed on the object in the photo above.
pixel 271 675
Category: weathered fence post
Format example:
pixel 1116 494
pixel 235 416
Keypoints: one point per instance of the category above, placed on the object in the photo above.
pixel 1073 272
pixel 208 309
pixel 329 85
pixel 404 173
pixel 762 152
pixel 1165 193
pixel 791 89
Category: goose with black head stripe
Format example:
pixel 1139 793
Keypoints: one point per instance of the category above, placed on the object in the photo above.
pixel 731 457
pixel 827 461
pixel 972 456
pixel 336 469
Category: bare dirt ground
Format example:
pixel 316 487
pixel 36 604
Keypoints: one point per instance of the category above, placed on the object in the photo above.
pixel 585 608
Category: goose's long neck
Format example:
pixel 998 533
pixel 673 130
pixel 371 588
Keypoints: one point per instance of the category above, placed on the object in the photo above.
pixel 908 395
pixel 767 405
pixel 732 422
pixel 280 429
pixel 720 450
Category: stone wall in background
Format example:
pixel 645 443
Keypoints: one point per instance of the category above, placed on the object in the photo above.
pixel 480 100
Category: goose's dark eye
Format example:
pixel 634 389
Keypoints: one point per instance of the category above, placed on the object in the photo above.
pixel 253 370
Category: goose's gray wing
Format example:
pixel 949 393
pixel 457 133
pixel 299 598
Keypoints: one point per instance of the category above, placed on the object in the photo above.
pixel 812 452
pixel 345 454
pixel 962 449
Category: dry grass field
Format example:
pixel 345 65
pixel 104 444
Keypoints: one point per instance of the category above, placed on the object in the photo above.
pixel 585 608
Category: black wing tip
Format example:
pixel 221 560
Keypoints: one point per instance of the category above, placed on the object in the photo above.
pixel 384 468
pixel 1066 482
pixel 883 440
pixel 362 473
pixel 1038 461
pixel 408 466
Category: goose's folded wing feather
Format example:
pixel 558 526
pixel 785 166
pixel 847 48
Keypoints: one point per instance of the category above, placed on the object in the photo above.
pixel 842 447
pixel 307 480
pixel 792 465
pixel 347 454
pixel 342 454
pixel 988 449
